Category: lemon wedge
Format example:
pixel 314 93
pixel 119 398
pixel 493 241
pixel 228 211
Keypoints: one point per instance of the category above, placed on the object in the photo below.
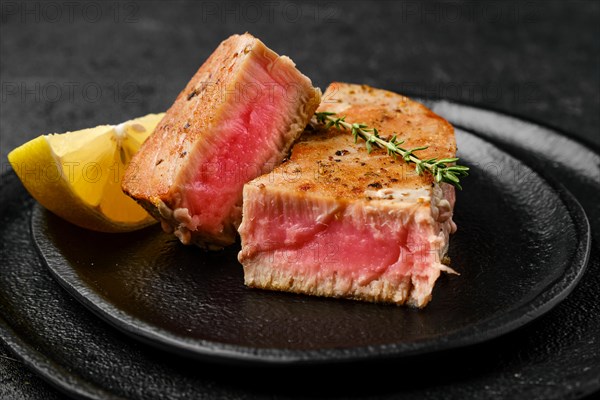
pixel 77 175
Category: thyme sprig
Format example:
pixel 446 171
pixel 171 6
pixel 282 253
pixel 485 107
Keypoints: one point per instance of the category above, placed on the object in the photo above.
pixel 443 170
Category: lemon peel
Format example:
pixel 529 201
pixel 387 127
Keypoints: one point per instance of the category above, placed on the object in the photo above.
pixel 77 175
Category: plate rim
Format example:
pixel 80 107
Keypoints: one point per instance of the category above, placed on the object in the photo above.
pixel 431 102
pixel 214 351
pixel 70 385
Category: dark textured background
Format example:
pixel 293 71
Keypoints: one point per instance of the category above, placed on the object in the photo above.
pixel 70 65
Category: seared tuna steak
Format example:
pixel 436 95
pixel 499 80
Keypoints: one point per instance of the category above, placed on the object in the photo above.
pixel 235 120
pixel 336 221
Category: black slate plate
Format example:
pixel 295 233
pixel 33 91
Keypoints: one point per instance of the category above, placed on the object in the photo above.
pixel 521 247
pixel 554 357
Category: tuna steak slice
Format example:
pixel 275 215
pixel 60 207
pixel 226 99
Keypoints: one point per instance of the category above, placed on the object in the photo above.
pixel 235 120
pixel 336 221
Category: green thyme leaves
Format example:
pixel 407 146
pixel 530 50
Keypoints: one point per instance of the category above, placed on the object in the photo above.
pixel 443 170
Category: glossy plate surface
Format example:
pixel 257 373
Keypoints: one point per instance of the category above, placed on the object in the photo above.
pixel 521 247
pixel 554 357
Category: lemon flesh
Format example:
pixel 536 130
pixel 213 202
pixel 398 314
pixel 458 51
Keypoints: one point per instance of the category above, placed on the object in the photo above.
pixel 77 175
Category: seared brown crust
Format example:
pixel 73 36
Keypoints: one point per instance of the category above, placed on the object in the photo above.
pixel 327 163
pixel 195 109
pixel 328 169
pixel 158 171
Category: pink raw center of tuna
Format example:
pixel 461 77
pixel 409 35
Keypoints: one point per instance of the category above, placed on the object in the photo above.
pixel 361 253
pixel 251 132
